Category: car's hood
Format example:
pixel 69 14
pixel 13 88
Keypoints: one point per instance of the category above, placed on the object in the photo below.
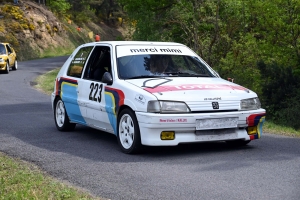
pixel 3 56
pixel 193 89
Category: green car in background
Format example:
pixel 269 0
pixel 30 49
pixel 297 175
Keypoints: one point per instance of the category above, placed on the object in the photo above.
pixel 8 58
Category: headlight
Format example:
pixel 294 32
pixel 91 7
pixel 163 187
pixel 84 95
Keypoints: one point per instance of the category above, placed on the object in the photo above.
pixel 250 104
pixel 1 60
pixel 167 107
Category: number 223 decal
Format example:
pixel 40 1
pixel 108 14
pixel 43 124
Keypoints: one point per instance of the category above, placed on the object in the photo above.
pixel 94 94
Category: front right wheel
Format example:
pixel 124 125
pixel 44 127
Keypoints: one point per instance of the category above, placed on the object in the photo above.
pixel 15 67
pixel 129 138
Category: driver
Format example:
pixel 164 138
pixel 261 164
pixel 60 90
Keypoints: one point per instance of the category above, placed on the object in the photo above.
pixel 159 63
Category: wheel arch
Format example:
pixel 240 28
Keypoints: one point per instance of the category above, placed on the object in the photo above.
pixel 136 145
pixel 55 100
pixel 122 108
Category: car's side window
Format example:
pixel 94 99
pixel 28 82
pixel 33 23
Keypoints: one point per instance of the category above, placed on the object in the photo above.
pixel 8 49
pixel 98 64
pixel 78 62
pixel 12 49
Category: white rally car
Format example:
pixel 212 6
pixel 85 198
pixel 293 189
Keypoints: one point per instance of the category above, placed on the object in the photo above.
pixel 152 93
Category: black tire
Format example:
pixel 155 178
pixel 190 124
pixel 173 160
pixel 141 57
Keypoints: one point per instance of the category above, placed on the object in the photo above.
pixel 15 67
pixel 129 138
pixel 61 118
pixel 7 68
pixel 238 143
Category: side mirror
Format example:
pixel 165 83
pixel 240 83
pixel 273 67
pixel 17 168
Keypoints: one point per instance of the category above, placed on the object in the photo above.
pixel 107 78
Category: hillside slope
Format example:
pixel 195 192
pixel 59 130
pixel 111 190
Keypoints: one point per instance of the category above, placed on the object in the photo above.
pixel 35 32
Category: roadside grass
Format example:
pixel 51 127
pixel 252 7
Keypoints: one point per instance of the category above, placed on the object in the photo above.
pixel 45 82
pixel 270 127
pixel 22 180
pixel 57 51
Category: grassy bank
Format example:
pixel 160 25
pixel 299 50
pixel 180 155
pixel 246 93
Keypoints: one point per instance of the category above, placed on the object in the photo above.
pixel 45 82
pixel 21 180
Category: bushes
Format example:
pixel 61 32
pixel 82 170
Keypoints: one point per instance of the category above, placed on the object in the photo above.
pixel 281 96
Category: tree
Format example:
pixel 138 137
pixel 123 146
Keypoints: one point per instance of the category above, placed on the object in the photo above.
pixel 59 7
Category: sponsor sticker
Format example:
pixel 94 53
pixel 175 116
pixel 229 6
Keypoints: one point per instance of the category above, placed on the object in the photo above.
pixel 140 98
pixel 128 50
pixel 174 120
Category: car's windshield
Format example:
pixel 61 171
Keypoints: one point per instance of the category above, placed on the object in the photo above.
pixel 2 49
pixel 149 65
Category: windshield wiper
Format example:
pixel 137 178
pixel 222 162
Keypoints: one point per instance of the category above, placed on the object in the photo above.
pixel 193 75
pixel 142 76
pixel 186 74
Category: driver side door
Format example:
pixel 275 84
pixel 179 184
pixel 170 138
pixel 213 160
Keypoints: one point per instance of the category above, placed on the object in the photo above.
pixel 92 89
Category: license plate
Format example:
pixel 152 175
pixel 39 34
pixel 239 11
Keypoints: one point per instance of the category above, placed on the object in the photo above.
pixel 216 123
pixel 216 134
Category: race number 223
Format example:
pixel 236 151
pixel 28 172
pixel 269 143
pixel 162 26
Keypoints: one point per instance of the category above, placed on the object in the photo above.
pixel 94 94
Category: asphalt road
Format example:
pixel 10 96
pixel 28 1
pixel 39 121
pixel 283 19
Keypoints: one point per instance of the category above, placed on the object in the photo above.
pixel 268 168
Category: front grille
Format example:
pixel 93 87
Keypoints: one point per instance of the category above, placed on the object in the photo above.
pixel 206 106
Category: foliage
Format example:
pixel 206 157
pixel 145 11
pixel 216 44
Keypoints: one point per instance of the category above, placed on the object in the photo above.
pixel 59 7
pixel 280 94
pixel 149 18
pixel 14 26
pixel 233 36
pixel 19 22
pixel 13 11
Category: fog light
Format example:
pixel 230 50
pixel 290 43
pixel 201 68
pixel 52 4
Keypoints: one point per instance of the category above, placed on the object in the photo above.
pixel 252 130
pixel 167 135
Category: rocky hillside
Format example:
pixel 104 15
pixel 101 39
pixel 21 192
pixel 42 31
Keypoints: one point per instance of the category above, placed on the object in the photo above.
pixel 35 32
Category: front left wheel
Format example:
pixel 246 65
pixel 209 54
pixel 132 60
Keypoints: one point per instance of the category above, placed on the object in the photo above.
pixel 7 68
pixel 129 138
pixel 61 118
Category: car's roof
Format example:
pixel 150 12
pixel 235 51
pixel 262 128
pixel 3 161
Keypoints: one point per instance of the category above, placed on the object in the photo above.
pixel 115 43
pixel 4 43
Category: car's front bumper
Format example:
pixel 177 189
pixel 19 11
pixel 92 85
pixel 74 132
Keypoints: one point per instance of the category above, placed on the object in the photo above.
pixel 184 125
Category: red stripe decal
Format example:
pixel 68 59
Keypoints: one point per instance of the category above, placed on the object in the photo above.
pixel 169 88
